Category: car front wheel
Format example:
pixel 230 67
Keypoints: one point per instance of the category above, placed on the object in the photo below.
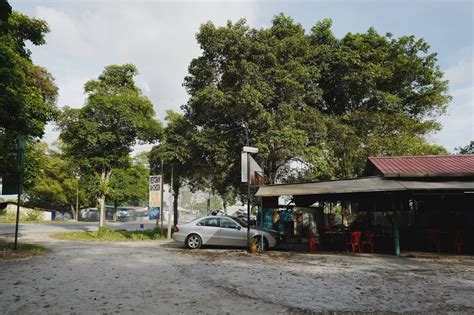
pixel 193 241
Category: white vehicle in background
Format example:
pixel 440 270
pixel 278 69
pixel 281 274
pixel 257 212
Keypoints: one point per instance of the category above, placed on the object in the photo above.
pixel 222 230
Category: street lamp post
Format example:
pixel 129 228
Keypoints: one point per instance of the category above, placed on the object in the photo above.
pixel 248 150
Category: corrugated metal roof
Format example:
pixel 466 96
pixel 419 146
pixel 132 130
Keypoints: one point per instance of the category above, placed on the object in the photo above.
pixel 415 166
pixel 360 185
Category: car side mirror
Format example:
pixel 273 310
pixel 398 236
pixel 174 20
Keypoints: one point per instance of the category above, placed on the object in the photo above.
pixel 238 227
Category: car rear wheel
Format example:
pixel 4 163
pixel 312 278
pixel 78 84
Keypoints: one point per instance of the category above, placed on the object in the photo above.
pixel 193 241
pixel 258 242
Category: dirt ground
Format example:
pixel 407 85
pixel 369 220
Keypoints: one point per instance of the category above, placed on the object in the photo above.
pixel 163 278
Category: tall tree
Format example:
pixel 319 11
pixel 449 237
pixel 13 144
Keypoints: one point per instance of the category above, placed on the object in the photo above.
pixel 99 136
pixel 27 92
pixel 311 99
pixel 180 154
pixel 383 94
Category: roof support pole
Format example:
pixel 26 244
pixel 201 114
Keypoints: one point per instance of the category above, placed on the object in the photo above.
pixel 396 228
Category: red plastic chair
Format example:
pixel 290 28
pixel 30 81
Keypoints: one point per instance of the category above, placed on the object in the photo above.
pixel 369 240
pixel 312 241
pixel 458 241
pixel 436 239
pixel 355 241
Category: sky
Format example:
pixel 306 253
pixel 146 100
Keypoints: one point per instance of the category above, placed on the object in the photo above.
pixel 159 38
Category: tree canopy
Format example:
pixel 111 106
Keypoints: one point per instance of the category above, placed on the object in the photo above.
pixel 27 92
pixel 310 99
pixel 129 186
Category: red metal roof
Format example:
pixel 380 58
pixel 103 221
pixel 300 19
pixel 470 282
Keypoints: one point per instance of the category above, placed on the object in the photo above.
pixel 405 166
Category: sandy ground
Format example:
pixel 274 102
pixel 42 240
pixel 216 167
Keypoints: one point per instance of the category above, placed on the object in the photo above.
pixel 163 278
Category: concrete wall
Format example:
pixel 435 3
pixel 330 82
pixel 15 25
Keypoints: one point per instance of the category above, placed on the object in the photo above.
pixel 25 212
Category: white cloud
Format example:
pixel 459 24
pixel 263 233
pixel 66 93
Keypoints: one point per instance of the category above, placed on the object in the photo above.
pixel 461 74
pixel 458 123
pixel 158 37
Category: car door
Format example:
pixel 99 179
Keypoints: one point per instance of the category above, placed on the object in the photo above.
pixel 208 228
pixel 231 233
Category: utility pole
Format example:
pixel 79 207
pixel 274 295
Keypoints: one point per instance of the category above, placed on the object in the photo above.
pixel 248 201
pixel 77 200
pixel 209 203
pixel 170 202
pixel 161 198
pixel 247 150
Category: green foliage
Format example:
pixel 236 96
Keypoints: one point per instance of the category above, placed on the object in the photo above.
pixel 27 92
pixel 467 149
pixel 129 186
pixel 312 100
pixel 180 153
pixel 106 234
pixel 55 185
pixel 100 135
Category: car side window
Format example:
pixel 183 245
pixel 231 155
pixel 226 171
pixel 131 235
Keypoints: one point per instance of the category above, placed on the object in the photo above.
pixel 226 223
pixel 209 222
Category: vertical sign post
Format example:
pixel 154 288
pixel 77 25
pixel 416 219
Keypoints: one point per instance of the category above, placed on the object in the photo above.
pixel 246 178
pixel 154 202
pixel 20 163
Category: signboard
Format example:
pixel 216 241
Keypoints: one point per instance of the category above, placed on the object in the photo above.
pixel 154 202
pixel 256 172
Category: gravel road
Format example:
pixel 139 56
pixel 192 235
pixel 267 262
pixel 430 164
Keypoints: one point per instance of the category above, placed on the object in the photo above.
pixel 163 278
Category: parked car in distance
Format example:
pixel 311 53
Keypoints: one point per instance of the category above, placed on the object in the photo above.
pixel 222 231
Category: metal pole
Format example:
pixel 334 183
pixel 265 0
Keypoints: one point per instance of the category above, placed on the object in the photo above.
pixel 161 198
pixel 77 200
pixel 170 204
pixel 248 201
pixel 19 156
pixel 261 218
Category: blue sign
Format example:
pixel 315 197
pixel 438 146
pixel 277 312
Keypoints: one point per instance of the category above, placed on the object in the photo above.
pixel 154 213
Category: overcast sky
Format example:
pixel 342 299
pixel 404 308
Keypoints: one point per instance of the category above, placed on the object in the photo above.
pixel 159 38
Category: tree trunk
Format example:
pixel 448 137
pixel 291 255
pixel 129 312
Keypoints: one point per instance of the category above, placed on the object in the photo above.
pixel 104 183
pixel 102 210
pixel 73 212
pixel 224 204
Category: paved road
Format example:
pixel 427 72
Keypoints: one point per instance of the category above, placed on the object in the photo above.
pixel 149 277
pixel 161 277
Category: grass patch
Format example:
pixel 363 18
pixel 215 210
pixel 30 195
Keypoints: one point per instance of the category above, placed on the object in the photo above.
pixel 106 234
pixel 22 250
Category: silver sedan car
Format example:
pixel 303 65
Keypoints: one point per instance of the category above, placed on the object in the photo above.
pixel 223 231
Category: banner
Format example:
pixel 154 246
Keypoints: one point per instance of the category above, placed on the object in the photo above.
pixel 154 201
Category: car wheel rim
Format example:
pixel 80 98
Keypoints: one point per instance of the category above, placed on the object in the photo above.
pixel 193 242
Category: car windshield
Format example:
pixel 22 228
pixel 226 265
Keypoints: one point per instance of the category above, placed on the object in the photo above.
pixel 241 222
